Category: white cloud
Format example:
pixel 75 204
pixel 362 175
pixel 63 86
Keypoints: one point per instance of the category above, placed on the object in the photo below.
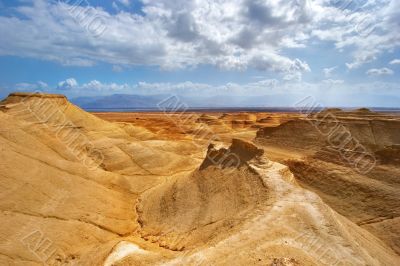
pixel 333 81
pixel 115 6
pixel 67 84
pixel 125 2
pixel 228 34
pixel 96 85
pixel 395 62
pixel 42 84
pixel 379 72
pixel 328 72
pixel 366 30
pixel 24 86
pixel 269 92
pixel 292 77
pixel 116 68
pixel 183 88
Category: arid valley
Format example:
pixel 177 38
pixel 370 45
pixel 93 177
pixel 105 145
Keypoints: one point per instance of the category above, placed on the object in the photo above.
pixel 197 188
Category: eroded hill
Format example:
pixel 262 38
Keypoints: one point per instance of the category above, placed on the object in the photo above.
pixel 350 160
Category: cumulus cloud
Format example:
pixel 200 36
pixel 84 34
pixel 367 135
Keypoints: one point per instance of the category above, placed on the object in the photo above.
pixel 117 4
pixel 67 84
pixel 379 72
pixel 333 81
pixel 96 85
pixel 230 34
pixel 365 29
pixel 145 88
pixel 24 86
pixel 328 72
pixel 292 77
pixel 125 2
pixel 395 62
pixel 234 34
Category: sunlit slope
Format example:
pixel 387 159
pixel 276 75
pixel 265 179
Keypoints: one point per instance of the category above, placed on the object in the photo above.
pixel 351 160
pixel 64 172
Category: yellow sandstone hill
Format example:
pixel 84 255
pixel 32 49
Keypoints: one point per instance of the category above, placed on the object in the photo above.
pixel 351 160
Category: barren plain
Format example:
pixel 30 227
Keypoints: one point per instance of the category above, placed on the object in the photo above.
pixel 190 188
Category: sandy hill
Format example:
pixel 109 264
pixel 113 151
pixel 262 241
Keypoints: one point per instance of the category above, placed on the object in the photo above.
pixel 77 190
pixel 374 130
pixel 331 148
pixel 74 177
pixel 248 210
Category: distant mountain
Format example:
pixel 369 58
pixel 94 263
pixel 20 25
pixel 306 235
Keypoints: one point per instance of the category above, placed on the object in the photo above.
pixel 126 101
pixel 118 101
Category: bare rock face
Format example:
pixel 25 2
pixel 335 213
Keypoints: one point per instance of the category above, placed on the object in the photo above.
pixel 325 112
pixel 33 103
pixel 373 130
pixel 389 155
pixel 245 150
pixel 208 119
pixel 20 97
pixel 238 153
pixel 295 133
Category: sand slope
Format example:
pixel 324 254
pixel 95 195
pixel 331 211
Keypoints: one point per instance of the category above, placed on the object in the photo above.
pixel 370 199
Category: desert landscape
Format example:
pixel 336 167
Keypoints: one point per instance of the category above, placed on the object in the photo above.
pixel 196 188
pixel 200 133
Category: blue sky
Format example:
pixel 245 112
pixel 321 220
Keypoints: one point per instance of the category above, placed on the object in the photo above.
pixel 343 52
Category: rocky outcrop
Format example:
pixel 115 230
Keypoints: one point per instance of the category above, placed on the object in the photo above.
pixel 389 155
pixel 329 129
pixel 298 133
pixel 209 120
pixel 21 97
pixel 237 154
pixel 211 199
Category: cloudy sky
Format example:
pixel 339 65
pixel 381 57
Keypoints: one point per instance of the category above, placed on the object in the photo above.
pixel 343 52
